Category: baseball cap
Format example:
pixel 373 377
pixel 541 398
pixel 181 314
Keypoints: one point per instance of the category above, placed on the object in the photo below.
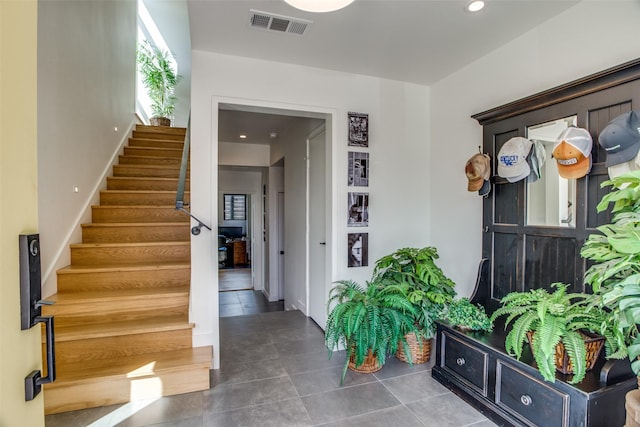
pixel 572 152
pixel 621 138
pixel 536 159
pixel 512 159
pixel 478 170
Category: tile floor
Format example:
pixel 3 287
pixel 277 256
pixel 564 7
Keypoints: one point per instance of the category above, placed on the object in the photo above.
pixel 275 372
pixel 238 303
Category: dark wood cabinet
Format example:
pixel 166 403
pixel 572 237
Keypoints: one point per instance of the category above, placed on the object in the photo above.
pixel 237 252
pixel 511 392
pixel 518 256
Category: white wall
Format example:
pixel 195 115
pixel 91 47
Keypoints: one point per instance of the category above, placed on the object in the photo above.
pixel 399 129
pixel 20 351
pixel 86 78
pixel 587 38
pixel 276 185
pixel 243 154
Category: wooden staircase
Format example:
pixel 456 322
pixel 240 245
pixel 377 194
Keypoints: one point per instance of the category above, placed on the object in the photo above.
pixel 121 312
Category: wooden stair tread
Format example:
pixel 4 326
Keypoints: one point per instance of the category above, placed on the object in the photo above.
pixel 120 328
pixel 152 149
pixel 134 224
pixel 140 191
pixel 74 269
pixel 127 245
pixel 66 298
pixel 175 130
pixel 142 365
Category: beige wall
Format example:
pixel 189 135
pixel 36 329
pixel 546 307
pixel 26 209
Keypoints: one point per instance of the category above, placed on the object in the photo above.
pixel 19 350
pixel 86 90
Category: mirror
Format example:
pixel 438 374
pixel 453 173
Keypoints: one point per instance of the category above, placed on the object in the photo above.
pixel 551 200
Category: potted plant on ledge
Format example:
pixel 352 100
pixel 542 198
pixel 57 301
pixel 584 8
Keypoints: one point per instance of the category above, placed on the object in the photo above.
pixel 160 79
pixel 560 328
pixel 427 287
pixel 369 321
pixel 464 315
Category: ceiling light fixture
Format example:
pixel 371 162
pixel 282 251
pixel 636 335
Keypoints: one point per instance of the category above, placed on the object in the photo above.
pixel 319 5
pixel 243 136
pixel 475 6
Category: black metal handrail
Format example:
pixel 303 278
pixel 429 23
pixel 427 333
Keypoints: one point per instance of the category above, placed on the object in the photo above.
pixel 180 204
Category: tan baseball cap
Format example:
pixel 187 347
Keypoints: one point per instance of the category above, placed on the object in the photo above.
pixel 478 170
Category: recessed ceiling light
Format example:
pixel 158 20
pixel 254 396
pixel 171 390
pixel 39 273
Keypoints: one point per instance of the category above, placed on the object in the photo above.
pixel 319 5
pixel 243 136
pixel 273 135
pixel 475 6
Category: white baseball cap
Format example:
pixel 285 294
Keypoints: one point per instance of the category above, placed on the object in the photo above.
pixel 512 159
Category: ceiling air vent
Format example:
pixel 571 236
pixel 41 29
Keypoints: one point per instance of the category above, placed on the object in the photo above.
pixel 279 23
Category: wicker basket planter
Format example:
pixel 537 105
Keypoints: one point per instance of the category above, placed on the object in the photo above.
pixel 593 344
pixel 420 349
pixel 370 364
pixel 160 121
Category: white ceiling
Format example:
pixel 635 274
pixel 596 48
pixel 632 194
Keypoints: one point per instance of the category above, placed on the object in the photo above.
pixel 418 41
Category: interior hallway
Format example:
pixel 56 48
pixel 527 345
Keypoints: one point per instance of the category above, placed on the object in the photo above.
pixel 275 372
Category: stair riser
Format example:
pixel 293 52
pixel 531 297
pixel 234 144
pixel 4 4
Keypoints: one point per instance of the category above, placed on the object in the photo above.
pixel 153 152
pixel 128 255
pixel 141 171
pixel 156 161
pixel 109 392
pixel 138 306
pixel 123 280
pixel 154 135
pixel 121 346
pixel 143 184
pixel 139 198
pixel 139 315
pixel 157 143
pixel 133 233
pixel 107 214
pixel 173 130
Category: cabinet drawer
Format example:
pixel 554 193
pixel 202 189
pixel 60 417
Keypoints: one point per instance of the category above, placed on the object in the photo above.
pixel 465 362
pixel 529 399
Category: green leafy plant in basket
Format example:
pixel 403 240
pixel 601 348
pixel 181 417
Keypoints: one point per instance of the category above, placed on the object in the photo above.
pixel 427 287
pixel 462 314
pixel 615 274
pixel 545 320
pixel 369 321
pixel 160 79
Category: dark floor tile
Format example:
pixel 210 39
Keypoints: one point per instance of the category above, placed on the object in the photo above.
pixel 395 368
pixel 244 340
pixel 230 310
pixel 286 413
pixel 253 309
pixel 231 373
pixel 398 416
pixel 327 379
pixel 241 324
pixel 300 347
pixel 172 408
pixel 107 415
pixel 226 397
pixel 445 410
pixel 191 422
pixel 296 334
pixel 412 387
pixel 312 361
pixel 235 355
pixel 228 298
pixel 336 404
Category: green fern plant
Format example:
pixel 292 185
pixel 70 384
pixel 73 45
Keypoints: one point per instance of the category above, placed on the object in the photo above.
pixel 424 283
pixel 552 317
pixel 615 274
pixel 373 317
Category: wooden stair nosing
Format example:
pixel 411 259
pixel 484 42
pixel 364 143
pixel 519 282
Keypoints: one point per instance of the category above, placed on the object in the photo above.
pixel 127 245
pixel 162 129
pixel 131 159
pixel 88 269
pixel 86 297
pixel 108 225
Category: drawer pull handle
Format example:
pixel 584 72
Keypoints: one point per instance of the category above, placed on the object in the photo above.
pixel 526 400
pixel 460 361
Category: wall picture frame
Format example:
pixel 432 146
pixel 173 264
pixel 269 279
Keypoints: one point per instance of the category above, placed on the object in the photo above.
pixel 358 249
pixel 358 129
pixel 358 209
pixel 358 169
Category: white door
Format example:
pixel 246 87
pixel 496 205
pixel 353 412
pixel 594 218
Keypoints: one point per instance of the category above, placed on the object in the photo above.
pixel 280 215
pixel 317 235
